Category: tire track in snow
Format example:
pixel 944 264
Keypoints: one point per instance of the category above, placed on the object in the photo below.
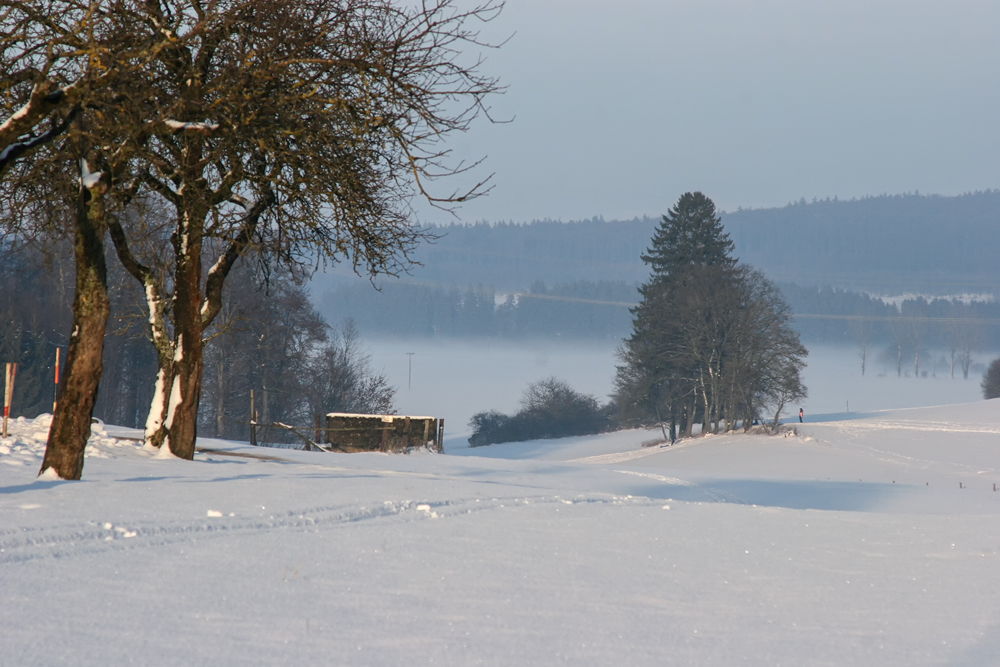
pixel 33 543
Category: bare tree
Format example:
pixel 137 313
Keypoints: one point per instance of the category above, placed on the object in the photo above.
pixel 862 327
pixel 296 129
pixel 350 100
pixel 54 69
pixel 899 330
pixel 970 341
pixel 915 311
pixel 49 64
pixel 965 337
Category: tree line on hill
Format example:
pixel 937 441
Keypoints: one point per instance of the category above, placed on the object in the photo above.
pixel 889 244
pixel 894 332
pixel 581 309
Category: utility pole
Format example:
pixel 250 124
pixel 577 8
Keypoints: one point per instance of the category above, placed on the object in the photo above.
pixel 409 370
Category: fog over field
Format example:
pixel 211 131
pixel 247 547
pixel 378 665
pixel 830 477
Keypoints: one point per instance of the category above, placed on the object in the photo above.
pixel 455 379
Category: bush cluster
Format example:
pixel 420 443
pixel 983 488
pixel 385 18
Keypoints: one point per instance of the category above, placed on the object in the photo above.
pixel 549 409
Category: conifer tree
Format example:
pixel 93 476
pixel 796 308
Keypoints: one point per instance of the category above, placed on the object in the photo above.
pixel 690 234
pixel 710 338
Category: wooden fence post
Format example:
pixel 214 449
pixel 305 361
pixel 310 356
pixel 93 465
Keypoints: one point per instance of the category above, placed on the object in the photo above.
pixel 319 429
pixel 441 435
pixel 8 394
pixel 55 394
pixel 253 422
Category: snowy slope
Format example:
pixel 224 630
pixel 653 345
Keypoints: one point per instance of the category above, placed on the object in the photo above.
pixel 871 541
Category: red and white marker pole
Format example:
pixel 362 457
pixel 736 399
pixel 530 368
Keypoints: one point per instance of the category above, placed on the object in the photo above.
pixel 55 394
pixel 8 394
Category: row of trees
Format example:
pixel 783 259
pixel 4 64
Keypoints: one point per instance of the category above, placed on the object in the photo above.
pixel 294 131
pixel 599 310
pixel 917 327
pixel 268 338
pixel 905 331
pixel 576 310
pixel 711 339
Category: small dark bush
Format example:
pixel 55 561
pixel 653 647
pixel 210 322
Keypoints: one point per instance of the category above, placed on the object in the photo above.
pixel 991 380
pixel 549 409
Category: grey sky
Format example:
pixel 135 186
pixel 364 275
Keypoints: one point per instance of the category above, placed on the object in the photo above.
pixel 622 106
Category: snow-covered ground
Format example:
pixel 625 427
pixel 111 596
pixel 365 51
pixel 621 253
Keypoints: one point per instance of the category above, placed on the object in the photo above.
pixel 871 541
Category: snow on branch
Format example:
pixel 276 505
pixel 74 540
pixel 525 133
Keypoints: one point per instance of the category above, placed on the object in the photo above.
pixel 89 179
pixel 179 127
pixel 29 141
pixel 39 104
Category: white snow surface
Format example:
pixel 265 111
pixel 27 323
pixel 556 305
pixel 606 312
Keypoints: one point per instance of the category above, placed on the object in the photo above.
pixel 873 540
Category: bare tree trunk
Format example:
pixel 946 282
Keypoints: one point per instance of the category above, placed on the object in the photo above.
pixel 185 392
pixel 84 365
pixel 706 416
pixel 155 432
pixel 689 415
pixel 220 395
pixel 777 413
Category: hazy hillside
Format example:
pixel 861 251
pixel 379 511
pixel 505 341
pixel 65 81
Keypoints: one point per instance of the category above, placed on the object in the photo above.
pixel 574 277
pixel 888 244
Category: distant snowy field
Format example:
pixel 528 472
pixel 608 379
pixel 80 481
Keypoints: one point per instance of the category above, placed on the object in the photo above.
pixel 455 379
pixel 872 541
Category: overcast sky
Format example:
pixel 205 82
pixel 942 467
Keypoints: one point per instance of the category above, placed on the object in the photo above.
pixel 620 107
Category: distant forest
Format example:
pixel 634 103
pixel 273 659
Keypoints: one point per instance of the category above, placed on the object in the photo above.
pixel 600 311
pixel 575 279
pixel 882 245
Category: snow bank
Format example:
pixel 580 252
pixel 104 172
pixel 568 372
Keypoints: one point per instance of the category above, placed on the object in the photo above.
pixel 25 442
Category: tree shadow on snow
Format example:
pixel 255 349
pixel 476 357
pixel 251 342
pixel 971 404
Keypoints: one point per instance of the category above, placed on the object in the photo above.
pixel 38 485
pixel 799 495
pixel 838 417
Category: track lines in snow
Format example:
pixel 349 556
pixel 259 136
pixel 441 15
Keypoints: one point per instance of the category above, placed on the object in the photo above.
pixel 915 425
pixel 857 435
pixel 64 541
pixel 618 457
pixel 660 478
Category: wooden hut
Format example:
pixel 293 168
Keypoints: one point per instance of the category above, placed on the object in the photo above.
pixel 347 432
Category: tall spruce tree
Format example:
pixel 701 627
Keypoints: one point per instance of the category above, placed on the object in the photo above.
pixel 690 234
pixel 700 320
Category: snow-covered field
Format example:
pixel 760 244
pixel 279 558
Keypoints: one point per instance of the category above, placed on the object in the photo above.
pixel 871 541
